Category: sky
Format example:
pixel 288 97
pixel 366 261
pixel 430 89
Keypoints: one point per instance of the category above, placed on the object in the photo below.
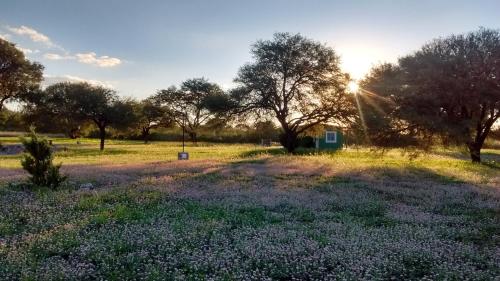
pixel 137 47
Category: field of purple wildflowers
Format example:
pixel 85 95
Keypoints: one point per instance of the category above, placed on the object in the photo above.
pixel 346 216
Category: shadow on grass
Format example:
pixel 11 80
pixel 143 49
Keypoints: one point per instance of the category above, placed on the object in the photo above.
pixel 430 175
pixel 263 151
pixel 489 159
pixel 85 152
pixel 456 154
pixel 412 185
pixel 430 197
pixel 368 197
pixel 72 151
pixel 281 151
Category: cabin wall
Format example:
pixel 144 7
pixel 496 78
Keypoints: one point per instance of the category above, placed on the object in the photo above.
pixel 322 144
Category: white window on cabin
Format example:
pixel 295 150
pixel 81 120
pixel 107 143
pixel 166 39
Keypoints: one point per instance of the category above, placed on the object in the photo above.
pixel 331 137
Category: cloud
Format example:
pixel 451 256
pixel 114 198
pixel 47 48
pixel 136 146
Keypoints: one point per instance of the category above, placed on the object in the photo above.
pixel 87 58
pixel 53 56
pixel 27 51
pixel 52 79
pixel 34 35
pixel 5 36
pixel 102 61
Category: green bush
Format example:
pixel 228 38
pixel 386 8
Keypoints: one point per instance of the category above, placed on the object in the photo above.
pixel 38 162
pixel 307 142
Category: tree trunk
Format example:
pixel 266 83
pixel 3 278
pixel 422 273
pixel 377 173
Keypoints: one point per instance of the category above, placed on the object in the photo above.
pixel 193 137
pixel 74 133
pixel 102 135
pixel 475 151
pixel 145 135
pixel 289 141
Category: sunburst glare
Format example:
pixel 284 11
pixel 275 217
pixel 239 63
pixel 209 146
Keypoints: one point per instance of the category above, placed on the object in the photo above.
pixel 353 87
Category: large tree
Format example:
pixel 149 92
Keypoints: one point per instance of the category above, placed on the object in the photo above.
pixel 188 105
pixel 449 88
pixel 380 123
pixel 150 115
pixel 297 80
pixel 48 112
pixel 18 76
pixel 80 102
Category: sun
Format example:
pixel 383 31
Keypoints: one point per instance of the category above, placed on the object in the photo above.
pixel 353 87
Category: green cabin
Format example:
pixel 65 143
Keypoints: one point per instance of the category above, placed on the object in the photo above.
pixel 330 139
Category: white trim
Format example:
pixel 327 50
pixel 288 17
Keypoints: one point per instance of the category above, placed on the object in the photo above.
pixel 326 137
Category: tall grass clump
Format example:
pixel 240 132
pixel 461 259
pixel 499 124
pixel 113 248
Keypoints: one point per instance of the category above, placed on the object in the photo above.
pixel 37 161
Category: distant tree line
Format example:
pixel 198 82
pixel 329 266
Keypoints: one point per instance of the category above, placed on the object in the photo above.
pixel 447 92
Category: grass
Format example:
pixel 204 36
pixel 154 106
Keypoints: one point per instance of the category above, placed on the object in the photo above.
pixel 122 152
pixel 238 212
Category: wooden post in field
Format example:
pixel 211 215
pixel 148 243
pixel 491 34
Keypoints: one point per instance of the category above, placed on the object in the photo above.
pixel 183 155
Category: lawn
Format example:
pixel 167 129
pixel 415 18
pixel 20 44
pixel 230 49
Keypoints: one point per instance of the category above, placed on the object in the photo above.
pixel 242 212
pixel 122 152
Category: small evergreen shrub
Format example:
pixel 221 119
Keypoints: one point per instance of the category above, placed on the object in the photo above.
pixel 38 162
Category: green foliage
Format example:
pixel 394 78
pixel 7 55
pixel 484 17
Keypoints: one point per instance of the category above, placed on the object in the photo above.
pixel 11 120
pixel 307 142
pixel 303 215
pixel 378 124
pixel 19 78
pixel 38 162
pixel 193 104
pixel 150 114
pixel 298 81
pixel 75 104
pixel 448 89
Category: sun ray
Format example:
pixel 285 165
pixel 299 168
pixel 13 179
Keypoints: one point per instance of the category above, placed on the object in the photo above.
pixel 375 95
pixel 362 117
pixel 353 87
pixel 369 99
